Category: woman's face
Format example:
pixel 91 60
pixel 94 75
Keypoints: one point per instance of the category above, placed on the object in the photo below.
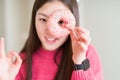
pixel 49 41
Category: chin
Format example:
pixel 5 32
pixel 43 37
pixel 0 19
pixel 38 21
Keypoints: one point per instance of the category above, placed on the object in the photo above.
pixel 50 48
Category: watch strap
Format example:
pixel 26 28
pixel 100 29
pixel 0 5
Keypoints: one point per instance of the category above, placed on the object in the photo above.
pixel 84 66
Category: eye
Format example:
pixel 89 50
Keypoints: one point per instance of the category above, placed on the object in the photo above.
pixel 42 20
pixel 62 23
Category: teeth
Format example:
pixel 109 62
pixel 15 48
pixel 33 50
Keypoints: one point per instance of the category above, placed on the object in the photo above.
pixel 50 39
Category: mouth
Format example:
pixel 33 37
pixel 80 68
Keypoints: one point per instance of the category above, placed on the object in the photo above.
pixel 50 40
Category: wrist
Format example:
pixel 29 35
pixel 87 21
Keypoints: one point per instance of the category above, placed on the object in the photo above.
pixel 78 59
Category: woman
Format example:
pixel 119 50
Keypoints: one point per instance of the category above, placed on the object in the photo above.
pixel 45 57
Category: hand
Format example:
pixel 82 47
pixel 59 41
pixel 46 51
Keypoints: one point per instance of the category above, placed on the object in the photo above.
pixel 10 64
pixel 80 42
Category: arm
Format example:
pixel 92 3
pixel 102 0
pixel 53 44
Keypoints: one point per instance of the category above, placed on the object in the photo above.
pixel 95 70
pixel 80 37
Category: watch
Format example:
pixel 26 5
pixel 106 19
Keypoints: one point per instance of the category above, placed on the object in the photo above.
pixel 84 66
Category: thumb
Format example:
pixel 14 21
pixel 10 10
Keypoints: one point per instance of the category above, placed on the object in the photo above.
pixel 73 36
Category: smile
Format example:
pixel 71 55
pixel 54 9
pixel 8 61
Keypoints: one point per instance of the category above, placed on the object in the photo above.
pixel 50 40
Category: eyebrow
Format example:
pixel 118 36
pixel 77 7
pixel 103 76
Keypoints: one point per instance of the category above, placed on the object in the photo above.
pixel 42 14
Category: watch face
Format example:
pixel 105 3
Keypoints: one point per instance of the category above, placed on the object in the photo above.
pixel 86 64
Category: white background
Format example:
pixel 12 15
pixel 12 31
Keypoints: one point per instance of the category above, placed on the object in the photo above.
pixel 101 17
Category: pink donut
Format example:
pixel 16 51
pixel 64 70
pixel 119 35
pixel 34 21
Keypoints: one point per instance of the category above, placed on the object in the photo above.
pixel 57 22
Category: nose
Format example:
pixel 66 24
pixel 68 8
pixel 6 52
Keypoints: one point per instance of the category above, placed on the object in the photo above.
pixel 48 32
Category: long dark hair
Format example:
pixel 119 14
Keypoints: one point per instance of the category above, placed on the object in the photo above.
pixel 33 42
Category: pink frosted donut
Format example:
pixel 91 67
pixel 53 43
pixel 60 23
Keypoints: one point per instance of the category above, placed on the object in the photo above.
pixel 58 20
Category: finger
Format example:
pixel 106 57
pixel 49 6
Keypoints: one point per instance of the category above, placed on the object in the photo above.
pixel 18 61
pixel 70 27
pixel 85 38
pixel 2 47
pixel 82 36
pixel 15 58
pixel 73 36
pixel 83 46
pixel 83 30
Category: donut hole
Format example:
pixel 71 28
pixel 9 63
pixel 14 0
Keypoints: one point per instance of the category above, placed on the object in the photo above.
pixel 62 23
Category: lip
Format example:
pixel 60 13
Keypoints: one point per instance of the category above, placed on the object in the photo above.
pixel 50 40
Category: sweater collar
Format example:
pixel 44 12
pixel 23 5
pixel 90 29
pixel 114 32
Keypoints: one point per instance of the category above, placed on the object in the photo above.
pixel 47 54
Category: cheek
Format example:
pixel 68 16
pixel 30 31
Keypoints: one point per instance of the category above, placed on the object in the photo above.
pixel 64 39
pixel 39 25
pixel 39 28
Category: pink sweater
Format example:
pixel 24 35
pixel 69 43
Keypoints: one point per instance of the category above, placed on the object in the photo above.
pixel 44 67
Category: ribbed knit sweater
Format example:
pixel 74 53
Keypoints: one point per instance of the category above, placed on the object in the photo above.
pixel 45 68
